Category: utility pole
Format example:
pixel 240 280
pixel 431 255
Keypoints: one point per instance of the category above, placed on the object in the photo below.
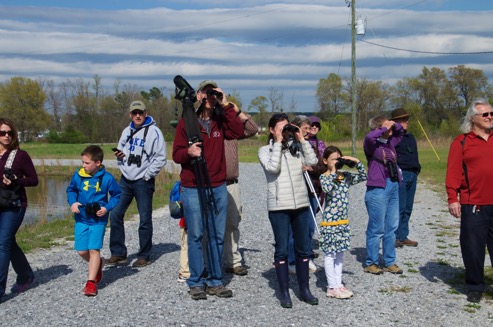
pixel 353 77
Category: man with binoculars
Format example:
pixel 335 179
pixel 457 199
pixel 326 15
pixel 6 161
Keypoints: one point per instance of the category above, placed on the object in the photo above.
pixel 141 154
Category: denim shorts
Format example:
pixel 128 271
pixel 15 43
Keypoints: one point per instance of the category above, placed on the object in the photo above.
pixel 88 237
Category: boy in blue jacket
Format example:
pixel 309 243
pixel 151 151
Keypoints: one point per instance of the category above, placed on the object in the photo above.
pixel 87 196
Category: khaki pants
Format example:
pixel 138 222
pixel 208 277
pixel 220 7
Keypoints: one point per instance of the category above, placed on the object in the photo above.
pixel 232 256
pixel 184 270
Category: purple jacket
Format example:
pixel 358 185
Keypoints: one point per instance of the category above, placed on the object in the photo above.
pixel 377 172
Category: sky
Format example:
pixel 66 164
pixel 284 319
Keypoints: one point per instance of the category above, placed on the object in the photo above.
pixel 248 47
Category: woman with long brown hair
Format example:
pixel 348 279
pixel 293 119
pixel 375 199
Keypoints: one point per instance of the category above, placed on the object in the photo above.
pixel 13 203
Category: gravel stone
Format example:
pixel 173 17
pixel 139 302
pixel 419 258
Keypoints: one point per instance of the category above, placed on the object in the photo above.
pixel 427 294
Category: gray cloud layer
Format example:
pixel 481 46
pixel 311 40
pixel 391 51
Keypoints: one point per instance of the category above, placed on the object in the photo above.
pixel 250 49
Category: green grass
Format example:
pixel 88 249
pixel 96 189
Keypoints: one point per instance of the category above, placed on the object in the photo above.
pixel 44 234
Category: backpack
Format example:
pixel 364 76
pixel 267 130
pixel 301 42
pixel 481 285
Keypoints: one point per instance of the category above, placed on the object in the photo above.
pixel 175 203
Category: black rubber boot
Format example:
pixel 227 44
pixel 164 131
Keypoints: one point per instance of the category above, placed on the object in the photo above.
pixel 302 275
pixel 283 280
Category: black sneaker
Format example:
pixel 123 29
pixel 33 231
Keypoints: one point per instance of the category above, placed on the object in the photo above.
pixel 197 293
pixel 115 260
pixel 219 291
pixel 474 296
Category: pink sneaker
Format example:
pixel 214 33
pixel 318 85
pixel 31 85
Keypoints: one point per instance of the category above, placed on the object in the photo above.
pixel 338 293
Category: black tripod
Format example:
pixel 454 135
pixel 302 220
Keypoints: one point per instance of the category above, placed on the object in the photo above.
pixel 185 93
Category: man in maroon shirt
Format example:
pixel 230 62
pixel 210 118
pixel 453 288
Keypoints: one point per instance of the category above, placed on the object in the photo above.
pixel 218 121
pixel 469 191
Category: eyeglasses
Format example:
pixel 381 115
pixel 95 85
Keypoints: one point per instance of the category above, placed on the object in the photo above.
pixel 9 133
pixel 137 112
pixel 486 114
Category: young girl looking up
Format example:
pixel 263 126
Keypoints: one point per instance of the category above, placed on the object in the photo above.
pixel 334 231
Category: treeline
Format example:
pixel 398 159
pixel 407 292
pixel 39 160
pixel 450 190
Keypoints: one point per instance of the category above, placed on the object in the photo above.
pixel 437 98
pixel 76 110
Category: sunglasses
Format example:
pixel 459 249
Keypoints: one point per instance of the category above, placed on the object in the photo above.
pixel 9 133
pixel 486 114
pixel 137 112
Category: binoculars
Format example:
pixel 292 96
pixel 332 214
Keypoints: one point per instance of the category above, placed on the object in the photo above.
pixel 91 210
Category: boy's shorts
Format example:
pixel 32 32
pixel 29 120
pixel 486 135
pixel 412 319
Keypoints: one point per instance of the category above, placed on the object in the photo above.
pixel 88 237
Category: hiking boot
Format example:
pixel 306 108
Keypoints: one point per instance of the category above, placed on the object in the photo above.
pixel 91 289
pixel 116 260
pixel 398 244
pixel 408 242
pixel 20 287
pixel 394 269
pixel 197 293
pixel 139 263
pixel 240 270
pixel 219 291
pixel 474 296
pixel 373 269
pixel 339 293
pixel 99 276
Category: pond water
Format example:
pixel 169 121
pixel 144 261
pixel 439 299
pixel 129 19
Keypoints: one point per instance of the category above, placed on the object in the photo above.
pixel 47 201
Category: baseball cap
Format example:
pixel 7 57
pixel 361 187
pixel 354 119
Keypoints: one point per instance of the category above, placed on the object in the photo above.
pixel 207 82
pixel 137 105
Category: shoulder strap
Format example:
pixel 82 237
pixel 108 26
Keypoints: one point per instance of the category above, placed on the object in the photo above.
pixel 10 159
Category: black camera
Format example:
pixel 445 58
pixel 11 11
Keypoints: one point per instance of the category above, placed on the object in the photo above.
pixel 134 159
pixel 341 162
pixel 9 174
pixel 91 209
pixel 393 172
pixel 215 93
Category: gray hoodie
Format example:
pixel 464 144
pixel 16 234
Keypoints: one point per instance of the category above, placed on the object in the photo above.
pixel 146 142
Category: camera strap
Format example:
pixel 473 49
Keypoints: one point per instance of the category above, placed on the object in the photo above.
pixel 384 161
pixel 10 159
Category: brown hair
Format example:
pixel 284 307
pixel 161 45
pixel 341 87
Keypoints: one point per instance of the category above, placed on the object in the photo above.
pixel 94 152
pixel 14 140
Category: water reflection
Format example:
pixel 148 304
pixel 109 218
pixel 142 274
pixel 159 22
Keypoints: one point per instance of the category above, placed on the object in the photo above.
pixel 47 201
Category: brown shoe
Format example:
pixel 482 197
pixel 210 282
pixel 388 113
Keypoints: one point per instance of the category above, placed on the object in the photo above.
pixel 139 263
pixel 240 270
pixel 408 242
pixel 394 269
pixel 398 244
pixel 115 260
pixel 373 269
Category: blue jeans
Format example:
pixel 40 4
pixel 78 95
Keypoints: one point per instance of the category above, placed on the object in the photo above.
pixel 311 231
pixel 383 218
pixel 206 223
pixel 10 221
pixel 407 189
pixel 282 222
pixel 143 192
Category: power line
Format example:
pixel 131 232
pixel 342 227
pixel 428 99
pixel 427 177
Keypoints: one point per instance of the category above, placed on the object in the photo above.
pixel 427 52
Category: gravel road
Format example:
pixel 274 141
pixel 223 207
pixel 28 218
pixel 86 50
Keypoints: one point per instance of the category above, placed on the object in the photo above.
pixel 429 293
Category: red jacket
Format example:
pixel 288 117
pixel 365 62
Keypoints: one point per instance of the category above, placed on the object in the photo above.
pixel 477 154
pixel 213 147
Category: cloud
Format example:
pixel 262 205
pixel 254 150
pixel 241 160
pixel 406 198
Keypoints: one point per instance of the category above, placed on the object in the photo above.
pixel 255 47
